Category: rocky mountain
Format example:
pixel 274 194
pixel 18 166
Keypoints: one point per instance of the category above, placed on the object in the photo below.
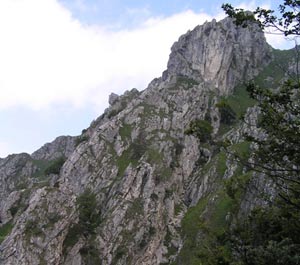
pixel 138 185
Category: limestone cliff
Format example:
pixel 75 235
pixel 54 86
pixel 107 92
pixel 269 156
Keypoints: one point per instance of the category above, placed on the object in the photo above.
pixel 137 166
pixel 219 54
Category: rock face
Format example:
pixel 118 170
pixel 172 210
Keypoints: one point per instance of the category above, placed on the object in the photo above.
pixel 112 98
pixel 61 146
pixel 219 54
pixel 136 165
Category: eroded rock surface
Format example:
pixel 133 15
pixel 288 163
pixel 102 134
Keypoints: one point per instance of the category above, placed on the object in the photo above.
pixel 137 159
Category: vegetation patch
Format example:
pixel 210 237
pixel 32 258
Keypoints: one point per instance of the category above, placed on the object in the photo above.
pixel 127 236
pixel 218 221
pixel 147 237
pixel 72 237
pixel 241 150
pixel 203 229
pixel 154 156
pixel 162 173
pixel 90 254
pixel 131 155
pixel 191 226
pixel 17 206
pixel 127 158
pixel 178 209
pixel 89 218
pixel 89 215
pixel 120 252
pixel 136 208
pixel 221 163
pixel 5 230
pixel 237 185
pixel 33 228
pixel 80 139
pixel 53 218
pixel 240 100
pixel 41 166
pixel 125 132
pixel 228 116
pixel 272 75
pixel 55 166
pixel 186 82
pixel 200 128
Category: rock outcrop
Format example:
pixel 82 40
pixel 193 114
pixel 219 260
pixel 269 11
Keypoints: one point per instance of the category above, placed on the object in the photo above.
pixel 61 146
pixel 219 54
pixel 137 165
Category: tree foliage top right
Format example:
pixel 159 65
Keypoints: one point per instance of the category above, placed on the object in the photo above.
pixel 286 23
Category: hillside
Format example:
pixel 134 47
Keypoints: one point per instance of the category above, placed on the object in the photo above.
pixel 147 182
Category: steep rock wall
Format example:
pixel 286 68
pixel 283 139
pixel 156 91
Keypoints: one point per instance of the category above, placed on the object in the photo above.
pixel 220 54
pixel 136 164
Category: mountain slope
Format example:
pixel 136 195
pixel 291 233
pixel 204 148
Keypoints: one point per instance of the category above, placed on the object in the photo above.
pixel 132 188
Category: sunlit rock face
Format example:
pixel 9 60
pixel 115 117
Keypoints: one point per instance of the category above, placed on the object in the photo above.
pixel 136 164
pixel 220 54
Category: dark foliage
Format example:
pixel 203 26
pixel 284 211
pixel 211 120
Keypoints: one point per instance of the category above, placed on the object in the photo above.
pixel 278 153
pixel 55 166
pixel 271 234
pixel 202 129
pixel 268 236
pixel 228 116
pixel 287 23
pixel 89 216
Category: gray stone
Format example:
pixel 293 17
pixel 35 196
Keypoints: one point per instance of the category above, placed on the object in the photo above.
pixel 136 158
pixel 113 98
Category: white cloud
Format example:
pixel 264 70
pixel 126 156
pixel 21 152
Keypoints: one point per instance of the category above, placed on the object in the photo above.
pixel 252 5
pixel 278 41
pixel 48 57
pixel 6 149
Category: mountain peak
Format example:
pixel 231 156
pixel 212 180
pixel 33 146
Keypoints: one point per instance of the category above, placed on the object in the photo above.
pixel 219 54
pixel 122 192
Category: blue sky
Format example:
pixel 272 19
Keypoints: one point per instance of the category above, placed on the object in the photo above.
pixel 60 59
pixel 114 12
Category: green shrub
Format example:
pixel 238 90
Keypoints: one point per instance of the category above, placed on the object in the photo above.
pixel 125 131
pixel 80 139
pixel 89 216
pixel 55 166
pixel 132 154
pixel 200 128
pixel 72 237
pixel 186 82
pixel 5 230
pixel 89 220
pixel 228 116
pixel 90 254
pixel 267 236
pixel 33 228
pixel 120 252
pixel 204 229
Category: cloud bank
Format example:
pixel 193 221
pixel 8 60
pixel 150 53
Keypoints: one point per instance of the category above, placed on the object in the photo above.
pixel 48 57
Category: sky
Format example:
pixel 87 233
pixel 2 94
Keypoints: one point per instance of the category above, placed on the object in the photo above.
pixel 60 59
